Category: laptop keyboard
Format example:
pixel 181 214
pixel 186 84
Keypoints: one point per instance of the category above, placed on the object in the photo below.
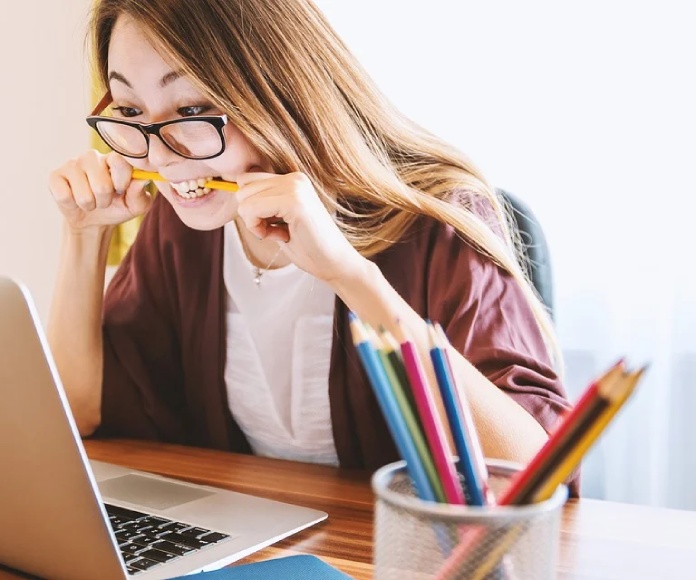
pixel 147 541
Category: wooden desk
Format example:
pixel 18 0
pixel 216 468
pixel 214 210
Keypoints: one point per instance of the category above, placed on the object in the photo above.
pixel 599 539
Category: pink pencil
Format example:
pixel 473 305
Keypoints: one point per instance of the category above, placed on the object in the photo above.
pixel 432 425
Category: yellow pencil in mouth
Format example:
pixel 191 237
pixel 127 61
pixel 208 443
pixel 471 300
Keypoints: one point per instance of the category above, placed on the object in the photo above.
pixel 213 184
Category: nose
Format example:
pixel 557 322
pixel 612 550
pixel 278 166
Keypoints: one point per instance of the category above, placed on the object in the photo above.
pixel 160 155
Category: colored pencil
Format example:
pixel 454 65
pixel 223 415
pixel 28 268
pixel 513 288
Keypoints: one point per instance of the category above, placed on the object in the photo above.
pixel 610 387
pixel 471 462
pixel 523 485
pixel 398 388
pixel 390 409
pixel 213 184
pixel 445 382
pixel 489 561
pixel 391 347
pixel 432 425
pixel 619 394
pixel 470 431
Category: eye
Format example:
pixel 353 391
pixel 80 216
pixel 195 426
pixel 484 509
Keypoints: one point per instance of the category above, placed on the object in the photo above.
pixel 126 111
pixel 193 111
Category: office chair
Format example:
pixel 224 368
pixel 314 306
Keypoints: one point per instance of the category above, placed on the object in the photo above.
pixel 534 245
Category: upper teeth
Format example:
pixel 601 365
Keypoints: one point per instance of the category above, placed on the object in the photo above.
pixel 192 187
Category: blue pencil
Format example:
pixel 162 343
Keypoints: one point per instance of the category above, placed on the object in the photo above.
pixel 469 426
pixel 465 466
pixel 390 409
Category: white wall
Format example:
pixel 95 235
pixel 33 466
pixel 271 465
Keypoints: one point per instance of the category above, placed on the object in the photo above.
pixel 43 101
pixel 587 105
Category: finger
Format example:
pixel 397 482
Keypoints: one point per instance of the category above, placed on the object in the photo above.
pixel 278 233
pixel 253 177
pixel 263 186
pixel 121 171
pixel 79 185
pixel 258 211
pixel 99 178
pixel 60 190
pixel 137 199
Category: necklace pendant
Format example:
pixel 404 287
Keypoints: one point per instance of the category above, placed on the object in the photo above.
pixel 257 277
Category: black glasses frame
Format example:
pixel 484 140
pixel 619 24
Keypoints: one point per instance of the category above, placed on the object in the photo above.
pixel 217 121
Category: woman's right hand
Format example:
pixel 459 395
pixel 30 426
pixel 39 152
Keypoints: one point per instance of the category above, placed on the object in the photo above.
pixel 97 190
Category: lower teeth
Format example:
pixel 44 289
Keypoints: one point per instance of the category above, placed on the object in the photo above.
pixel 194 194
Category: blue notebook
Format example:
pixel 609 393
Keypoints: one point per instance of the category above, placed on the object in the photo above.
pixel 288 568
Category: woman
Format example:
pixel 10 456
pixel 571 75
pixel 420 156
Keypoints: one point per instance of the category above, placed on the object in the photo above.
pixel 226 325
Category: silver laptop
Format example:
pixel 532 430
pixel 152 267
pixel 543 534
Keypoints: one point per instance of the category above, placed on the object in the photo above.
pixel 62 516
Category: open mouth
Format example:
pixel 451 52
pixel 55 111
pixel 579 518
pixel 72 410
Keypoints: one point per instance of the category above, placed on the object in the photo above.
pixel 192 188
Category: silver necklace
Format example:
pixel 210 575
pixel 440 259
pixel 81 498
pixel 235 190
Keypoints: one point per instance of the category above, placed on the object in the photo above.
pixel 258 272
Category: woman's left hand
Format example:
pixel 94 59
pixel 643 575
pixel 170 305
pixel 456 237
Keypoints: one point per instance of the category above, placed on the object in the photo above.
pixel 286 208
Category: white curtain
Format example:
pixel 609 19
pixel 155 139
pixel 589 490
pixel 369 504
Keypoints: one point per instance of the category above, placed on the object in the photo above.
pixel 586 111
pixel 647 456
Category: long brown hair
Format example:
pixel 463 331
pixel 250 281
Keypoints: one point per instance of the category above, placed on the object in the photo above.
pixel 292 87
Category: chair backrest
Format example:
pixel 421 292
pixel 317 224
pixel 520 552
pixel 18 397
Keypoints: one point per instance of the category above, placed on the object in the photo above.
pixel 534 245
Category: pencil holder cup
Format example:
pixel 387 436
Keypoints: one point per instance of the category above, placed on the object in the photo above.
pixel 416 539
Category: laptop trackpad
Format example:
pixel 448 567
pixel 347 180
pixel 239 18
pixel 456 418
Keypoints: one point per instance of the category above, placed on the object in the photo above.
pixel 149 492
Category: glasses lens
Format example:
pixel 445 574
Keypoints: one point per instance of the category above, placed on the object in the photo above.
pixel 192 138
pixel 122 138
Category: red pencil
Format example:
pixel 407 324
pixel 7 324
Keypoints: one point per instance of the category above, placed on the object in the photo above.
pixel 523 483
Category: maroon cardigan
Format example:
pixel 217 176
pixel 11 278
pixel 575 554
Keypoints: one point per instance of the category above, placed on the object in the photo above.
pixel 164 338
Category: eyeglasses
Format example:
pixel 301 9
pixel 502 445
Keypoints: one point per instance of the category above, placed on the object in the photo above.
pixel 191 137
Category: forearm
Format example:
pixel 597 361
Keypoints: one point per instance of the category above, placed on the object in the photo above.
pixel 507 431
pixel 74 324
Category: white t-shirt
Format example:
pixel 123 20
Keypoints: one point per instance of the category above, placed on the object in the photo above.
pixel 279 337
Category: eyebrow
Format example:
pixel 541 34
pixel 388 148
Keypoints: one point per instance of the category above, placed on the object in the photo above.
pixel 167 79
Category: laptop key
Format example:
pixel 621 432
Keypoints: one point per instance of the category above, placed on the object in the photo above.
pixel 172 548
pixel 214 537
pixel 145 540
pixel 128 557
pixel 158 555
pixel 186 541
pixel 129 515
pixel 143 564
pixel 173 527
pixel 134 527
pixel 131 548
pixel 125 535
pixel 194 532
pixel 154 521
